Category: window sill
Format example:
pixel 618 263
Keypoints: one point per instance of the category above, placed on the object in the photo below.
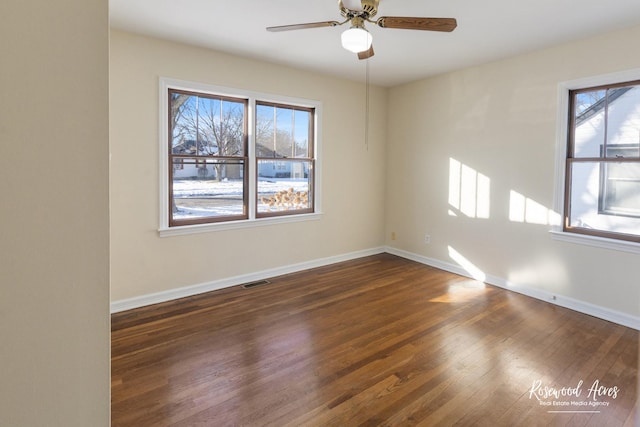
pixel 599 242
pixel 234 225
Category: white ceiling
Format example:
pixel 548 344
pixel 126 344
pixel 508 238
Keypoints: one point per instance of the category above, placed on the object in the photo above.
pixel 487 30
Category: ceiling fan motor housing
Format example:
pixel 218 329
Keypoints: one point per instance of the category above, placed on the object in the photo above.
pixel 369 9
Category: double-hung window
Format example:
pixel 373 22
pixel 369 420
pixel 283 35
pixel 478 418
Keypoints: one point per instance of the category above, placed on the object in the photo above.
pixel 207 146
pixel 232 158
pixel 602 169
pixel 285 162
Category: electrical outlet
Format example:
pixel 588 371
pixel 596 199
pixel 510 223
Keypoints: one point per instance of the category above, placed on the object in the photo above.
pixel 427 239
pixel 393 235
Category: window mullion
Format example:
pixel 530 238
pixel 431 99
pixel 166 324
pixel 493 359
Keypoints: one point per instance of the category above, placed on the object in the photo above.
pixel 293 133
pixel 252 182
pixel 606 124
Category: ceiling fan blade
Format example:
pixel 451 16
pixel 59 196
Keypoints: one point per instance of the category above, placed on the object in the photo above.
pixel 409 23
pixel 366 54
pixel 304 26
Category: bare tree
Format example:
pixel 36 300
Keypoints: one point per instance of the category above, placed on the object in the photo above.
pixel 223 132
pixel 279 142
pixel 212 127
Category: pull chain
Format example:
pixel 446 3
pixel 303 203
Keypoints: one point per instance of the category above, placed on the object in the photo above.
pixel 366 108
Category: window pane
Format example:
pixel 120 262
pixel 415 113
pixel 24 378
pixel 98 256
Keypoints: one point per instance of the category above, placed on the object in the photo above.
pixel 284 185
pixel 623 121
pixel 183 133
pixel 302 133
pixel 282 132
pixel 207 188
pixel 222 127
pixel 206 126
pixel 589 113
pixel 265 131
pixel 621 189
pixel 597 189
pixel 274 131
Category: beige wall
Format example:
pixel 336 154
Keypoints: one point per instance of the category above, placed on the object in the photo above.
pixel 353 175
pixel 54 214
pixel 499 120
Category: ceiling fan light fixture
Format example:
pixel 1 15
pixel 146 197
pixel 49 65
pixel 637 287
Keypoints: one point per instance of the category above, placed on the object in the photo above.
pixel 356 39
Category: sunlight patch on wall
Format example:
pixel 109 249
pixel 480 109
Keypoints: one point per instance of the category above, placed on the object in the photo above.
pixel 541 271
pixel 469 191
pixel 526 210
pixel 467 265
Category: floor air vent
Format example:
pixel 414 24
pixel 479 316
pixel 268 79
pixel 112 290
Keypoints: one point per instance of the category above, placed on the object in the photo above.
pixel 255 284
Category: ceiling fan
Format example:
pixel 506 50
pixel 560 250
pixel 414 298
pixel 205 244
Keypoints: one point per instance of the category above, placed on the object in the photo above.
pixel 357 39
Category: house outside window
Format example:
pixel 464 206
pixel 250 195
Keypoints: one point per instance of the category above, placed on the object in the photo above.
pixel 233 158
pixel 602 169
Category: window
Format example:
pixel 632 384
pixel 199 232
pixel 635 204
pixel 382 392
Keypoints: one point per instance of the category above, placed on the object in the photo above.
pixel 208 157
pixel 284 152
pixel 602 172
pixel 232 158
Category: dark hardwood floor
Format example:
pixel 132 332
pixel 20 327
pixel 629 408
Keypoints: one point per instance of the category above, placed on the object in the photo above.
pixel 378 341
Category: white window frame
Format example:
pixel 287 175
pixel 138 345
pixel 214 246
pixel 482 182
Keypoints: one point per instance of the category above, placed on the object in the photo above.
pixel 170 83
pixel 557 231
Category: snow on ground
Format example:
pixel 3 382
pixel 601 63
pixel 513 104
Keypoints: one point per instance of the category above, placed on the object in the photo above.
pixel 195 188
pixel 199 199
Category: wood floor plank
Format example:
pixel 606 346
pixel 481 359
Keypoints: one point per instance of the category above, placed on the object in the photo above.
pixel 377 341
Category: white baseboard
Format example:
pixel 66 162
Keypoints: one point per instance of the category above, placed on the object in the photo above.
pixel 570 303
pixel 158 297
